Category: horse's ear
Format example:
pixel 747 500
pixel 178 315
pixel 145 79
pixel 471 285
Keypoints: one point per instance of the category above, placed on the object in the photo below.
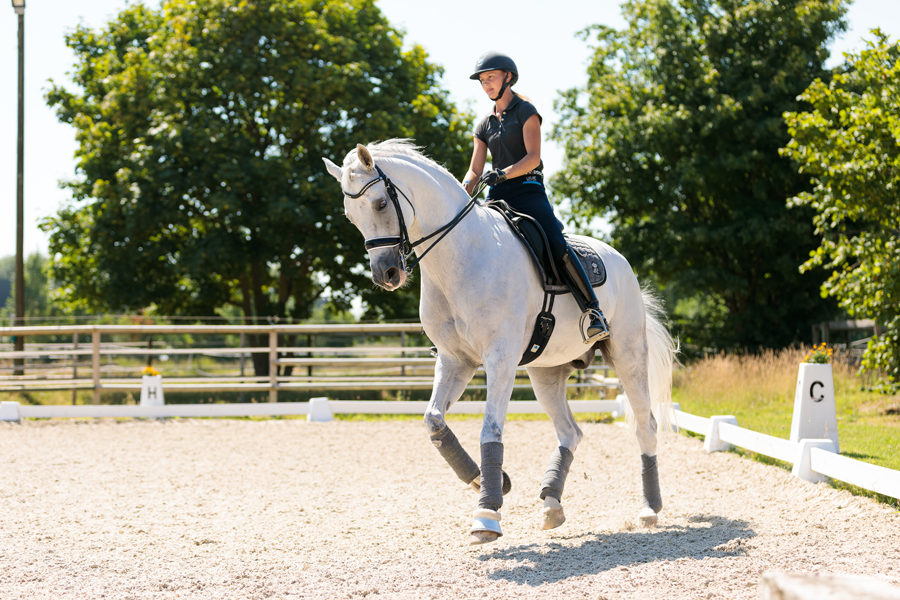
pixel 365 157
pixel 333 169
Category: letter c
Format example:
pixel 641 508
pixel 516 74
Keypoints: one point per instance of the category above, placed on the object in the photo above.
pixel 812 391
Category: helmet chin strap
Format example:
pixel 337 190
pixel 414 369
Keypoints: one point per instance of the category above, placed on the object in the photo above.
pixel 506 80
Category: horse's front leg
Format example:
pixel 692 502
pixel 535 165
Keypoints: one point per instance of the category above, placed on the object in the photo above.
pixel 450 379
pixel 501 376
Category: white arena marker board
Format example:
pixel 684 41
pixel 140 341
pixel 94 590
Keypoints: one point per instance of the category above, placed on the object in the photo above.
pixel 815 413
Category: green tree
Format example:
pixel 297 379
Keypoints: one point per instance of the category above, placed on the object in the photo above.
pixel 848 142
pixel 201 128
pixel 675 140
pixel 7 276
pixel 39 290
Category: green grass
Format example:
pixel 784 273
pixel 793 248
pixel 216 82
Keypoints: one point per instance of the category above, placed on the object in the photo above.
pixel 759 391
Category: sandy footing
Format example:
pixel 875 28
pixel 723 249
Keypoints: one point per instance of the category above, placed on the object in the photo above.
pixel 226 509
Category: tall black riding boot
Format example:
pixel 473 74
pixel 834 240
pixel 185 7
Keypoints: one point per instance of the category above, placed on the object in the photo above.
pixel 577 279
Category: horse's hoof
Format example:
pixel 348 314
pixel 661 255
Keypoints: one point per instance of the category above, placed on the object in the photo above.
pixel 482 537
pixel 648 517
pixel 507 483
pixel 486 527
pixel 553 513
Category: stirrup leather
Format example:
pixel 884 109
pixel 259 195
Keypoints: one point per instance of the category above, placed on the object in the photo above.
pixel 593 315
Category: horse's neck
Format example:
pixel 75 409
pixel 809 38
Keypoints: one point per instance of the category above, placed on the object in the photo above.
pixel 474 248
pixel 436 196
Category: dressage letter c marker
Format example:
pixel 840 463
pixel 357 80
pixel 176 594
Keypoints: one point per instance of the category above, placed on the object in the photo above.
pixel 812 392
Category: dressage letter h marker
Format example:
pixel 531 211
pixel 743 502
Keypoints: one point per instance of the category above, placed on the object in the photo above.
pixel 152 391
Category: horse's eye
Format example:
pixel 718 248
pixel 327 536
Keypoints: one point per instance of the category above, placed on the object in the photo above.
pixel 380 204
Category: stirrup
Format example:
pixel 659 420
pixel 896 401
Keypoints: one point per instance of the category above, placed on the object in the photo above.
pixel 594 317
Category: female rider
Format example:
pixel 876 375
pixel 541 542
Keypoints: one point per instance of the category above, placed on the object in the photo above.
pixel 512 133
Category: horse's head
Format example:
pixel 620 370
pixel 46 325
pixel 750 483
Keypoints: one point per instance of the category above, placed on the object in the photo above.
pixel 370 207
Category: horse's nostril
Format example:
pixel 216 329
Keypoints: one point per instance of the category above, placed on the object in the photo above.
pixel 391 274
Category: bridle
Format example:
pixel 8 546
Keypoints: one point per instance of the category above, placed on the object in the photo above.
pixel 406 246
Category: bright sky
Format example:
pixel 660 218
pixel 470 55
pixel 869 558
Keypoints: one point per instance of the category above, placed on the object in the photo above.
pixel 539 35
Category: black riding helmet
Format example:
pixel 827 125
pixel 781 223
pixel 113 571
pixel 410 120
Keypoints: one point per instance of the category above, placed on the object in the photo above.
pixel 492 61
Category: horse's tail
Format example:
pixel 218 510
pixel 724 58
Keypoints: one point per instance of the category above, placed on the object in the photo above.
pixel 661 352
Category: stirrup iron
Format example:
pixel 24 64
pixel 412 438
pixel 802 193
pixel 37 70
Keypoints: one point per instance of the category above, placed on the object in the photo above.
pixel 592 315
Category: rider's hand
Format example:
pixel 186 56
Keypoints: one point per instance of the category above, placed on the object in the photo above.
pixel 494 177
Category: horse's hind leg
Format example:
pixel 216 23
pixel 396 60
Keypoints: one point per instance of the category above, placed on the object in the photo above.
pixel 631 367
pixel 549 385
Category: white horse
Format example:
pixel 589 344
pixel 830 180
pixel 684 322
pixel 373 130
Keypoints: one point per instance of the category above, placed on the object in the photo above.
pixel 481 294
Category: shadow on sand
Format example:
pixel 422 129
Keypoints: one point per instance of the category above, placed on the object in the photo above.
pixel 591 553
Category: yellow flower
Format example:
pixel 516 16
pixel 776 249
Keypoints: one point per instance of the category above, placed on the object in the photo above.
pixel 820 354
pixel 149 370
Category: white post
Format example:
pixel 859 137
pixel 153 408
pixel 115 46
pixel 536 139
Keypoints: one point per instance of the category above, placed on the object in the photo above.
pixel 619 410
pixel 9 411
pixel 815 413
pixel 152 391
pixel 713 443
pixel 801 467
pixel 319 411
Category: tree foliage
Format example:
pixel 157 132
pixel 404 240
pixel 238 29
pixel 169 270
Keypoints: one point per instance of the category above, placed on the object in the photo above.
pixel 201 127
pixel 848 142
pixel 675 140
pixel 38 290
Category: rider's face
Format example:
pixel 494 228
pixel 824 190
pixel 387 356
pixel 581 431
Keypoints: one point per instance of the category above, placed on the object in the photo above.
pixel 492 81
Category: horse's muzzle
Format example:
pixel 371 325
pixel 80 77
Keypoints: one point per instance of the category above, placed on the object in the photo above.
pixel 387 268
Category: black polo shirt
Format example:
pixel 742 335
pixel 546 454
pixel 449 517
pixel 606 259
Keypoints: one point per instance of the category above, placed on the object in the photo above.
pixel 505 139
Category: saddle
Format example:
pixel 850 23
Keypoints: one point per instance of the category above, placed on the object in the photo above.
pixel 533 237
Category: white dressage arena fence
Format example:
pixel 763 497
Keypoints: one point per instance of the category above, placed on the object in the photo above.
pixel 812 449
pixel 318 409
pixel 812 459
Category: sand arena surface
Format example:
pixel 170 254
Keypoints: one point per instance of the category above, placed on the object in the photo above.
pixel 287 509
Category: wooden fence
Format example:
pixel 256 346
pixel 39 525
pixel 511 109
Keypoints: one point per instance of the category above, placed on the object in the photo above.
pixel 109 358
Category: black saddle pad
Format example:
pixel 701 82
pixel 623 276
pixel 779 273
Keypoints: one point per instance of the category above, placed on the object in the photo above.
pixel 590 260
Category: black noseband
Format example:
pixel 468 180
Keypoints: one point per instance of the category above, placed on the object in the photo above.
pixel 393 240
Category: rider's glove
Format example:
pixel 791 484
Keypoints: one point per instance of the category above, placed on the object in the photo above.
pixel 494 177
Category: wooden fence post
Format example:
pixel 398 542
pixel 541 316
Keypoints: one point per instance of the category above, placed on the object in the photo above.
pixel 74 365
pixel 95 362
pixel 243 360
pixel 273 366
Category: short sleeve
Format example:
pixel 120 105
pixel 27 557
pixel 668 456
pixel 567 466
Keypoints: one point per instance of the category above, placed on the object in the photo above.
pixel 481 130
pixel 526 109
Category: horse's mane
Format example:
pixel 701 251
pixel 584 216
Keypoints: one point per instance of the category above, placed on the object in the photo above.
pixel 398 148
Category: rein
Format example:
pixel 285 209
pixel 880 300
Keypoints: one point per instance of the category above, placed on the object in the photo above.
pixel 406 245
